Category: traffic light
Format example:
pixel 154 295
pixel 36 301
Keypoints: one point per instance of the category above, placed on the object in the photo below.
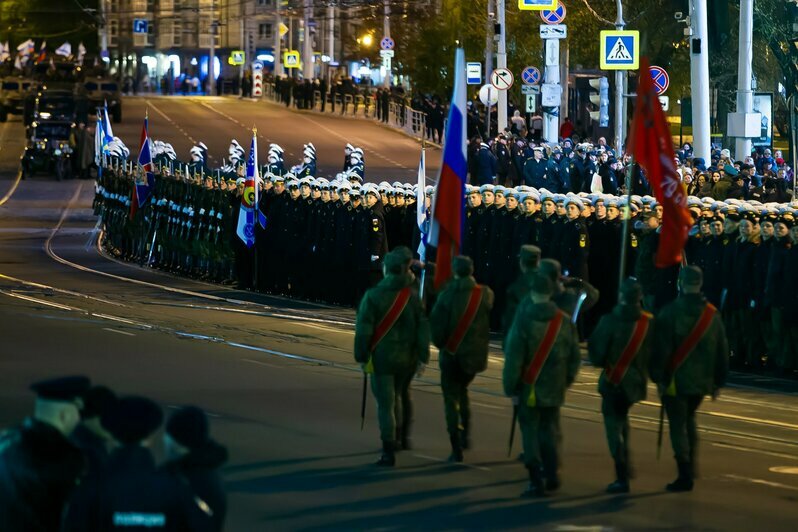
pixel 600 98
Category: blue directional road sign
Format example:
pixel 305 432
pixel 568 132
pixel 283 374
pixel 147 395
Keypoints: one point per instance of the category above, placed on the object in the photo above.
pixel 140 25
pixel 536 5
pixel 554 16
pixel 620 50
pixel 530 76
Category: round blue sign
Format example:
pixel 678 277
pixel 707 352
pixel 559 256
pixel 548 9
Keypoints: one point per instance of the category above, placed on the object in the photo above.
pixel 553 16
pixel 387 43
pixel 530 76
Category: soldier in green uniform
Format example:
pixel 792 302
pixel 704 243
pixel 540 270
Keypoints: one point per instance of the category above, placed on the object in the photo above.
pixel 690 360
pixel 460 329
pixel 528 260
pixel 392 342
pixel 621 344
pixel 541 362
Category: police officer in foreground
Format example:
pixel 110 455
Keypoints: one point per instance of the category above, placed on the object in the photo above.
pixel 392 343
pixel 621 344
pixel 132 492
pixel 194 456
pixel 460 329
pixel 90 436
pixel 690 360
pixel 39 466
pixel 541 361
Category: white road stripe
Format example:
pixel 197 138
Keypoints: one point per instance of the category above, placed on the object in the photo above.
pixel 118 331
pixel 762 482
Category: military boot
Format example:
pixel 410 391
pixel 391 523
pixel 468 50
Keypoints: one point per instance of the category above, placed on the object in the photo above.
pixel 388 457
pixel 621 484
pixel 465 435
pixel 457 449
pixel 535 487
pixel 685 480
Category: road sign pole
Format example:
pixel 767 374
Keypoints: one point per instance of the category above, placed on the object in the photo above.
pixel 386 29
pixel 501 60
pixel 699 79
pixel 745 97
pixel 278 41
pixel 489 39
pixel 620 83
pixel 308 66
pixel 551 76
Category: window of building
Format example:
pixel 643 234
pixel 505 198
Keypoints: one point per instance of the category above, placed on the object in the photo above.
pixel 265 31
pixel 264 2
pixel 113 32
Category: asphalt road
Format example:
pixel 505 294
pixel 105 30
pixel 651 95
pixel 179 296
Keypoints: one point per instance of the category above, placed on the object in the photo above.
pixel 278 379
pixel 183 122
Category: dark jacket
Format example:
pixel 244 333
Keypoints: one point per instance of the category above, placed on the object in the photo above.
pixel 472 354
pixel 131 491
pixel 39 468
pixel 487 165
pixel 608 342
pixel 200 467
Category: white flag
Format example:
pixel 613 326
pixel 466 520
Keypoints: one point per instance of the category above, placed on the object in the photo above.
pixel 26 48
pixel 421 204
pixel 81 52
pixel 64 50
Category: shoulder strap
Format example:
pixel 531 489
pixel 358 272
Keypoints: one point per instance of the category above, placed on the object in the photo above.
pixel 616 374
pixel 544 350
pixel 388 321
pixel 689 343
pixel 465 321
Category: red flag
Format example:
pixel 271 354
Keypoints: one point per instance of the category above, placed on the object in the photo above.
pixel 651 144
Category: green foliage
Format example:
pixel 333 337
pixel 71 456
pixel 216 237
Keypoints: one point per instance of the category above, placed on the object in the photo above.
pixel 54 20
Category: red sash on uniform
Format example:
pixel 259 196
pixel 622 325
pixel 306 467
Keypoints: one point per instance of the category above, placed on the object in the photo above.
pixel 388 321
pixel 689 343
pixel 544 350
pixel 615 375
pixel 465 320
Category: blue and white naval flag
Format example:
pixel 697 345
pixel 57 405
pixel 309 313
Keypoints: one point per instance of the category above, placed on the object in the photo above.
pixel 249 199
pixel 421 206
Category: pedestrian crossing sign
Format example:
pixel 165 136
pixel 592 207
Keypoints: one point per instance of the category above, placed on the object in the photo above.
pixel 291 59
pixel 620 50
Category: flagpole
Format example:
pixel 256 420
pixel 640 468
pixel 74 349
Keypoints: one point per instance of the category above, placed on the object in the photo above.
pixel 626 221
pixel 256 214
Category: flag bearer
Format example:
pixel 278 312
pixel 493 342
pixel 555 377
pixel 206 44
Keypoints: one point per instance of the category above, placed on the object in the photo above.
pixel 621 344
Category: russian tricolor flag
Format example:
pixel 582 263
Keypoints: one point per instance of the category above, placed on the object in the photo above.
pixel 448 211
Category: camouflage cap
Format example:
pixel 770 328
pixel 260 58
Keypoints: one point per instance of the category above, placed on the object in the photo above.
pixel 691 276
pixel 529 254
pixel 541 285
pixel 398 258
pixel 462 266
pixel 631 291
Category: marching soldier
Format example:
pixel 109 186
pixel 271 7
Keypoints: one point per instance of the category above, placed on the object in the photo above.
pixel 392 343
pixel 690 360
pixel 460 329
pixel 541 362
pixel 621 344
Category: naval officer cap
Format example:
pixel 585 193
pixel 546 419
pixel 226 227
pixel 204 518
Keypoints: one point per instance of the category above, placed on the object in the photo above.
pixel 486 188
pixel 68 389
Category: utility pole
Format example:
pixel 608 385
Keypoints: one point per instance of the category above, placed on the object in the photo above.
pixel 699 79
pixel 490 31
pixel 330 41
pixel 501 62
pixel 103 29
pixel 212 51
pixel 307 55
pixel 745 96
pixel 620 83
pixel 278 41
pixel 386 30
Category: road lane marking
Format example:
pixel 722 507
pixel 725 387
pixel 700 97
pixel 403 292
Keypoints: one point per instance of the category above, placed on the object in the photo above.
pixel 13 189
pixel 40 301
pixel 261 363
pixel 118 331
pixel 121 320
pixel 189 137
pixel 754 450
pixel 441 460
pixel 762 482
pixel 786 470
